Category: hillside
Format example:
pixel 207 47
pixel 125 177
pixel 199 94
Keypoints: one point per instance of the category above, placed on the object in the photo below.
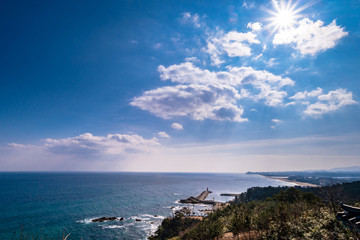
pixel 270 213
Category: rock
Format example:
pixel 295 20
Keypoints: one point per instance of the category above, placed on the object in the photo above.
pixel 138 220
pixel 190 200
pixel 122 219
pixel 103 219
pixel 155 215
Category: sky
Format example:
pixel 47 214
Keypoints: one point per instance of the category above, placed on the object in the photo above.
pixel 179 86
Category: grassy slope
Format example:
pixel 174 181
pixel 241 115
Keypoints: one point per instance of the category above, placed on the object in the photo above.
pixel 288 214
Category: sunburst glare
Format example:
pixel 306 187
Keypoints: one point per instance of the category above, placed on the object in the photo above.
pixel 284 14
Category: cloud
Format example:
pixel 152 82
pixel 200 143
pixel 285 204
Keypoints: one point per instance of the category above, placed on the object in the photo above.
pixel 256 26
pixel 329 102
pixel 257 57
pixel 233 44
pixel 89 144
pixel 203 94
pixel 188 18
pixel 216 102
pixel 163 135
pixel 311 37
pixel 214 53
pixel 82 152
pixel 317 103
pixel 192 59
pixel 248 4
pixel 177 126
pixel 306 94
pixel 272 62
pixel 276 122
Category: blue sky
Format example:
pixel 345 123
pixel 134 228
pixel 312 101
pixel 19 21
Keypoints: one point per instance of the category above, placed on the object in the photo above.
pixel 217 86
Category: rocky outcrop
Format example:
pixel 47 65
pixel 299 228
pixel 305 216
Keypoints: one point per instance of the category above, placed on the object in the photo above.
pixel 103 219
pixel 199 199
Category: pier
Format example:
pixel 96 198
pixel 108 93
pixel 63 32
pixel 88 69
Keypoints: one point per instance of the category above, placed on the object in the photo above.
pixel 201 199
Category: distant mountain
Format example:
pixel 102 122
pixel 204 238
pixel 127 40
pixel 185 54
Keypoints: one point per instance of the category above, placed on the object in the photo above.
pixel 346 169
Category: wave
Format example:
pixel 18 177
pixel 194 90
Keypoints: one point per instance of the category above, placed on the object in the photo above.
pixel 112 226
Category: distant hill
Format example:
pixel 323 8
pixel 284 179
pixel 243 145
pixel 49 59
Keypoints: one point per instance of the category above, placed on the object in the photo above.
pixel 346 169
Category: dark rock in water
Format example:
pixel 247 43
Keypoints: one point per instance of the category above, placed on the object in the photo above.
pixel 152 222
pixel 138 220
pixel 122 219
pixel 155 215
pixel 103 219
pixel 190 200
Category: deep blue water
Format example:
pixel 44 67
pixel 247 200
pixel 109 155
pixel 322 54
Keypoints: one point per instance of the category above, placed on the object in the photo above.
pixel 49 204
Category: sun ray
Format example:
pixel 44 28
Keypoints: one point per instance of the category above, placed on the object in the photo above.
pixel 284 15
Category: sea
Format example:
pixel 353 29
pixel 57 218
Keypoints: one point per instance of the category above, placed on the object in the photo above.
pixel 49 205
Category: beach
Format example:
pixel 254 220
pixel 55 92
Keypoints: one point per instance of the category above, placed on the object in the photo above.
pixel 296 183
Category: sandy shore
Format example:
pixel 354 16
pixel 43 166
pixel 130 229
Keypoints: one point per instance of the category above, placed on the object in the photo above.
pixel 286 179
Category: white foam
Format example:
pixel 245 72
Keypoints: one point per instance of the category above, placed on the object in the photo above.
pixel 112 226
pixel 152 216
pixel 86 220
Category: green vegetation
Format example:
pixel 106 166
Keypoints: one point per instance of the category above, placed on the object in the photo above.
pixel 171 227
pixel 289 213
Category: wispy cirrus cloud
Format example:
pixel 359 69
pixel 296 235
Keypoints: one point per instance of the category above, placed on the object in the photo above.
pixel 189 18
pixel 310 37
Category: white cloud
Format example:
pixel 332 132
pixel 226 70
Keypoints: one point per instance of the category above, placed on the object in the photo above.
pixel 256 26
pixel 192 59
pixel 234 44
pixel 177 126
pixel 276 120
pixel 306 94
pixel 163 135
pixel 203 94
pixel 88 144
pixel 329 102
pixel 237 44
pixel 193 19
pixel 257 57
pixel 272 62
pixel 276 123
pixel 248 4
pixel 216 102
pixel 214 53
pixel 311 37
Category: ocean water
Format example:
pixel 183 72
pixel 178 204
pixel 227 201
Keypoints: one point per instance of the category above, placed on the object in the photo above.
pixel 49 204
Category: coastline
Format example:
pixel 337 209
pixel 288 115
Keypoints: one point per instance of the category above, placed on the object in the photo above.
pixel 296 183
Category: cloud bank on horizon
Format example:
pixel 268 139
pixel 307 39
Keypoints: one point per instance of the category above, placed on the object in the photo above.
pixel 230 75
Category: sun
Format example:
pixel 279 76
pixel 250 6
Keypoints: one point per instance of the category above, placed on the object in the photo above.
pixel 284 15
pixel 284 18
